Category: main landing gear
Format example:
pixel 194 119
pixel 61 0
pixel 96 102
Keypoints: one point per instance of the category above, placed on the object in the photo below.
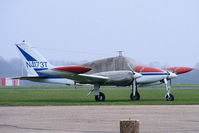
pixel 99 96
pixel 169 96
pixel 135 96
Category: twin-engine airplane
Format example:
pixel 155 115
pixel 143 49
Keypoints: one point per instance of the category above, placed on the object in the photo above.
pixel 40 70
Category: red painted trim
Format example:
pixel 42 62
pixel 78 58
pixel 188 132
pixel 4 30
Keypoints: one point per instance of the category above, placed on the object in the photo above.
pixel 14 83
pixel 146 69
pixel 74 69
pixel 3 81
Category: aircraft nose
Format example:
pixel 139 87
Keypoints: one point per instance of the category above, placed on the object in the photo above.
pixel 181 70
pixel 137 75
pixel 172 75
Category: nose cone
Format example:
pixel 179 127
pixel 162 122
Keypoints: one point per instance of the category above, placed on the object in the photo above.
pixel 180 70
pixel 137 75
pixel 172 75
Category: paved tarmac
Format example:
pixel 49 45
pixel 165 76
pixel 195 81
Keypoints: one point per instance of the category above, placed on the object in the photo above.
pixel 98 119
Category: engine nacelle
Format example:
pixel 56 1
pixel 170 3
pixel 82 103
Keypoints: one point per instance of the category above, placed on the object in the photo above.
pixel 119 78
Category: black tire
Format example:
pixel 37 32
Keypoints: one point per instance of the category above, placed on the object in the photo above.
pixel 100 97
pixel 169 97
pixel 136 97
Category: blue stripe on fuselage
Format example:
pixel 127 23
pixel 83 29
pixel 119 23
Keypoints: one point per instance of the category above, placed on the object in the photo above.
pixel 151 74
pixel 44 75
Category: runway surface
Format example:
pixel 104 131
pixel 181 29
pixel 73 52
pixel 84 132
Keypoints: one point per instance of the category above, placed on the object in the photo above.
pixel 98 119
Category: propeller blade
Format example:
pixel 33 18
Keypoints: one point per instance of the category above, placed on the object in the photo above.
pixel 135 74
pixel 131 68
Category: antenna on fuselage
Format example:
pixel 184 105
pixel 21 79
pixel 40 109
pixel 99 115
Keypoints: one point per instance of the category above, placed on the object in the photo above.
pixel 120 53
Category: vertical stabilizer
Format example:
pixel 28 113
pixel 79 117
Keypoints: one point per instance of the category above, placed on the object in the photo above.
pixel 32 59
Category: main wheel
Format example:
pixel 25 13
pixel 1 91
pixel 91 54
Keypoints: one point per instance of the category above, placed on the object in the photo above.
pixel 169 97
pixel 136 97
pixel 100 97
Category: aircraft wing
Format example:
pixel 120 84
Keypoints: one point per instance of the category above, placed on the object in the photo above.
pixel 75 73
pixel 81 78
pixel 87 78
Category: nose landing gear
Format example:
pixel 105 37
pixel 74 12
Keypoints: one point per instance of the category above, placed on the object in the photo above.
pixel 169 96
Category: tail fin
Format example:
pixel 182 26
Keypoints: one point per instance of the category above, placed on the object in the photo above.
pixel 32 59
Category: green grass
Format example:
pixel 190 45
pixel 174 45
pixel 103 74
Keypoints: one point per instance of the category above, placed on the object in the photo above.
pixel 32 97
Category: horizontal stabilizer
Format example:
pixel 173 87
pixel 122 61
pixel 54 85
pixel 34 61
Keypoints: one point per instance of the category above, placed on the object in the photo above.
pixel 30 78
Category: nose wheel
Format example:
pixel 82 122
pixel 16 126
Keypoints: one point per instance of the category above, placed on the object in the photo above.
pixel 169 96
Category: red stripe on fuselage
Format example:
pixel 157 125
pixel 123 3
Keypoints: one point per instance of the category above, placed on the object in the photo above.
pixel 74 69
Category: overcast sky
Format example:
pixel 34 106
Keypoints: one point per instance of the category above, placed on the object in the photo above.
pixel 166 31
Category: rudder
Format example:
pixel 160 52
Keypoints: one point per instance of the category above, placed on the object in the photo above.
pixel 32 59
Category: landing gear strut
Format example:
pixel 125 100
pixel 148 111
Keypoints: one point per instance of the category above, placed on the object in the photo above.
pixel 169 96
pixel 135 96
pixel 99 96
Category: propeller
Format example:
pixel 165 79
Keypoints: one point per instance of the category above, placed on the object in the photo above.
pixel 135 74
pixel 134 77
pixel 171 75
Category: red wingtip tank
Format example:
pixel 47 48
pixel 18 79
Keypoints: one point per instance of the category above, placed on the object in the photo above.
pixel 146 69
pixel 74 69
